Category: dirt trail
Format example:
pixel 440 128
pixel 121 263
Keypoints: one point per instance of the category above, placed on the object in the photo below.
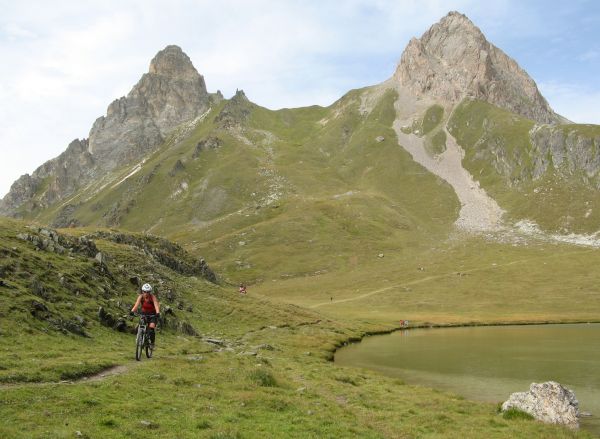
pixel 102 375
pixel 439 276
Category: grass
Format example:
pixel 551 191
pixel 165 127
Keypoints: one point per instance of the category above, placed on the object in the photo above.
pixel 432 118
pixel 192 388
pixel 501 155
pixel 338 235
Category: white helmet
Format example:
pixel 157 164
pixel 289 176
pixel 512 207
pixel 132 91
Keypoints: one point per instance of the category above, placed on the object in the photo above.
pixel 147 288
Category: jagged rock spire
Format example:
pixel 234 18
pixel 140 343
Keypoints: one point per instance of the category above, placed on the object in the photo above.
pixel 172 92
pixel 453 60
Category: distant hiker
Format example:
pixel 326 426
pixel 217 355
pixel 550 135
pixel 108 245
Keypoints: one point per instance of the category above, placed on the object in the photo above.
pixel 243 289
pixel 150 307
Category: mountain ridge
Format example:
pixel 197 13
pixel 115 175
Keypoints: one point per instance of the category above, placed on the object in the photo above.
pixel 172 92
pixel 450 64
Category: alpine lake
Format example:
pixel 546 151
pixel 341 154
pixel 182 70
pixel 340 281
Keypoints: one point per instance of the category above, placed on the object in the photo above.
pixel 488 363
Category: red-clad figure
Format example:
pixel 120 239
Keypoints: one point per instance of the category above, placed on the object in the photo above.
pixel 150 307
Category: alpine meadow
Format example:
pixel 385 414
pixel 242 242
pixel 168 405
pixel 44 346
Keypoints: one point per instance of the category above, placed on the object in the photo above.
pixel 451 194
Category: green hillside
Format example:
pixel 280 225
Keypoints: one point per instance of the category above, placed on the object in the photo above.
pixel 225 365
pixel 312 186
pixel 502 154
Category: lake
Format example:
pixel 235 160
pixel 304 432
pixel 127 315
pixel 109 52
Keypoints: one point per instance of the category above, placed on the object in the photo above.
pixel 488 363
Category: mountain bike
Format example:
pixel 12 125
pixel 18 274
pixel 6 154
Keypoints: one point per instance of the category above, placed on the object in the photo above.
pixel 142 341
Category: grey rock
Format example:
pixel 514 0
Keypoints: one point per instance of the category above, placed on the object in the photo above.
pixel 186 328
pixel 215 341
pixel 569 152
pixel 177 168
pixel 38 307
pixel 100 258
pixel 211 142
pixel 121 325
pixel 453 60
pixel 105 317
pixel 548 402
pixel 171 93
pixel 265 346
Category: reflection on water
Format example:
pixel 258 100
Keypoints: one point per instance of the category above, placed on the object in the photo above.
pixel 489 363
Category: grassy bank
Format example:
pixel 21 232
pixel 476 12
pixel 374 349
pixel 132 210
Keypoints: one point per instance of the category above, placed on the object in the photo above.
pixel 255 368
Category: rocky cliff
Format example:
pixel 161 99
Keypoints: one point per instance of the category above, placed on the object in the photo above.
pixel 454 60
pixel 172 92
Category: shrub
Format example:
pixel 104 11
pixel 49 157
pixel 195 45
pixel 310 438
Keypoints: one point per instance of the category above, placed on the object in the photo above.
pixel 263 378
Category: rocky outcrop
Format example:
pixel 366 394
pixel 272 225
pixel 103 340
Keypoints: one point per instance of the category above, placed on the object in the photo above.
pixel 453 60
pixel 172 92
pixel 165 252
pixel 547 402
pixel 569 149
pixel 51 181
pixel 235 112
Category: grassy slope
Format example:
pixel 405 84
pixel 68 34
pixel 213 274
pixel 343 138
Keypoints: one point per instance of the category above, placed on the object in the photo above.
pixel 310 185
pixel 190 389
pixel 343 199
pixel 555 202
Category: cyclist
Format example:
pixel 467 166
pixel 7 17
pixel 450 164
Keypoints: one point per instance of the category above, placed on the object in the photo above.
pixel 150 306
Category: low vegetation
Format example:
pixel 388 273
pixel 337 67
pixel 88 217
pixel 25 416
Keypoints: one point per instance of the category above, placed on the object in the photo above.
pixel 255 369
pixel 499 153
pixel 338 234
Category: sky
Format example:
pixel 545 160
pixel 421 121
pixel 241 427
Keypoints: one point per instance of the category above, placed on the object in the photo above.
pixel 64 62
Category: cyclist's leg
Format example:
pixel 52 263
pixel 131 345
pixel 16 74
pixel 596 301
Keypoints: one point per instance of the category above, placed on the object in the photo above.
pixel 151 331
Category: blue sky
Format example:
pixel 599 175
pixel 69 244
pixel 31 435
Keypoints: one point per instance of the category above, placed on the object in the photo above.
pixel 65 61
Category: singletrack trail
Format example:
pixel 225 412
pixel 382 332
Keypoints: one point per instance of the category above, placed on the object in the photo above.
pixel 99 376
pixel 441 276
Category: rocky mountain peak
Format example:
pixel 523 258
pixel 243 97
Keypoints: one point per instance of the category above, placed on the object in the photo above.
pixel 171 93
pixel 454 60
pixel 172 62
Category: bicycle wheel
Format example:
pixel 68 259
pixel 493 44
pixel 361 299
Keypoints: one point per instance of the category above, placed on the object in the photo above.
pixel 139 344
pixel 148 349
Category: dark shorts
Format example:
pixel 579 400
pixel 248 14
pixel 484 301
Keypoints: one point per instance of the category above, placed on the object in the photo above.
pixel 150 318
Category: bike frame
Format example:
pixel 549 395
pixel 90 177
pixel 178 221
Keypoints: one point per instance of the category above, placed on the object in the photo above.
pixel 142 342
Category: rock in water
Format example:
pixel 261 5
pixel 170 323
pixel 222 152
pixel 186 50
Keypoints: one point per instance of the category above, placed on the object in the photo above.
pixel 548 402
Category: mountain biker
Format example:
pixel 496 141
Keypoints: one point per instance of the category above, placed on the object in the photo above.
pixel 150 307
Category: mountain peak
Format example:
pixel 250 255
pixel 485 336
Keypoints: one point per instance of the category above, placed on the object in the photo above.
pixel 172 62
pixel 454 60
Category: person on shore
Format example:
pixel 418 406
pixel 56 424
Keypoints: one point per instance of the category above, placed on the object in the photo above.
pixel 243 289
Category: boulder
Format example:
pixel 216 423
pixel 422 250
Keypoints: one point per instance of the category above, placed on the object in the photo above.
pixel 548 402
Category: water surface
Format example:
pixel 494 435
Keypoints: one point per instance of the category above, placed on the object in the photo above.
pixel 489 363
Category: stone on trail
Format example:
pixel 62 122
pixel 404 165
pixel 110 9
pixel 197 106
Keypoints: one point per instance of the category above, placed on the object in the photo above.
pixel 548 402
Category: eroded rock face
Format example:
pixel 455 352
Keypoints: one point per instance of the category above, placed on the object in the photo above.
pixel 172 92
pixel 547 402
pixel 51 181
pixel 453 60
pixel 568 151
